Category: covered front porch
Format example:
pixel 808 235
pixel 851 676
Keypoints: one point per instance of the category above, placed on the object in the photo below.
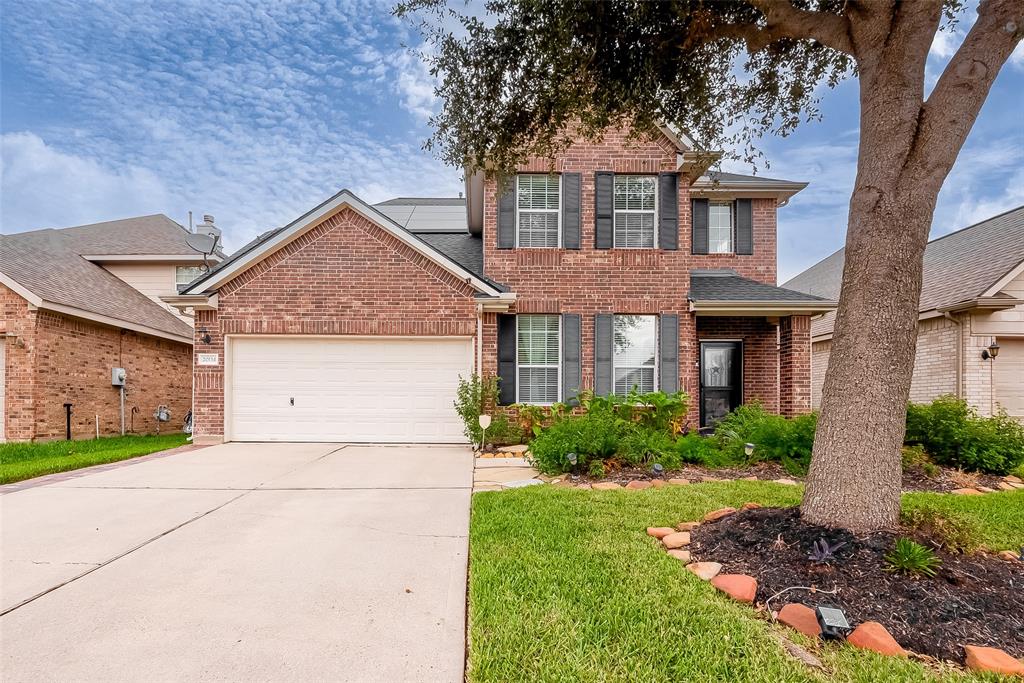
pixel 753 344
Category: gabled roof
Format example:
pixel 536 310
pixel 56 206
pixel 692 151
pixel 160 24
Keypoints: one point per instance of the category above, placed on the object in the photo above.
pixel 273 240
pixel 724 291
pixel 47 268
pixel 959 268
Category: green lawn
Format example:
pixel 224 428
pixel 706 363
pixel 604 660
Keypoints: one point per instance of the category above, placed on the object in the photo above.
pixel 20 461
pixel 565 586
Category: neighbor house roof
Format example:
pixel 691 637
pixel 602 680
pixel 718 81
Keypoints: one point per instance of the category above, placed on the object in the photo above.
pixel 960 268
pixel 48 268
pixel 271 241
pixel 724 291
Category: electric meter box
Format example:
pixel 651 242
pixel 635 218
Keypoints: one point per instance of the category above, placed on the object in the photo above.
pixel 117 377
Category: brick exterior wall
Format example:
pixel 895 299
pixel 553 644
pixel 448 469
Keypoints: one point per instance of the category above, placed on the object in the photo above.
pixel 820 351
pixel 795 365
pixel 56 359
pixel 628 281
pixel 345 276
pixel 935 368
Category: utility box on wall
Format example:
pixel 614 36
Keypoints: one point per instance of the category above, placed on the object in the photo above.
pixel 117 377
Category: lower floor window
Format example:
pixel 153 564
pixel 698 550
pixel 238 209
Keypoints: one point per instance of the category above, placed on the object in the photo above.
pixel 538 354
pixel 635 353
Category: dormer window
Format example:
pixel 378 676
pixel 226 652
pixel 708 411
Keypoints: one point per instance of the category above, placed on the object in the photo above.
pixel 720 228
pixel 636 199
pixel 538 210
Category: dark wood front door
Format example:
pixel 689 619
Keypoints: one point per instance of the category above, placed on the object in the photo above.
pixel 721 379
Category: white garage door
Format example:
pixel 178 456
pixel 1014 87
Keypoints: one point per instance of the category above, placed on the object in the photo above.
pixel 1008 376
pixel 346 389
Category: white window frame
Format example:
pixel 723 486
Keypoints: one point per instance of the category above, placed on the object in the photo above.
pixel 557 212
pixel 653 212
pixel 558 363
pixel 732 226
pixel 177 282
pixel 657 350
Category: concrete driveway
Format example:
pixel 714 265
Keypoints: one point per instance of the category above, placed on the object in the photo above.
pixel 265 562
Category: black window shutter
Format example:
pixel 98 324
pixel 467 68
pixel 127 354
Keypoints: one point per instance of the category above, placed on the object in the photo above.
pixel 572 369
pixel 744 226
pixel 604 182
pixel 699 216
pixel 571 210
pixel 507 214
pixel 506 359
pixel 603 354
pixel 668 337
pixel 668 211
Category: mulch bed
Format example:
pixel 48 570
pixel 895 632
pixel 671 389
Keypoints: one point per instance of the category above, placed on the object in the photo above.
pixel 914 478
pixel 974 599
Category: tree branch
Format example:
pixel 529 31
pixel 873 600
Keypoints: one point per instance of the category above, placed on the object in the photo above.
pixel 783 20
pixel 950 111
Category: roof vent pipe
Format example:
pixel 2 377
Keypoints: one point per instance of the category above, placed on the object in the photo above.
pixel 207 227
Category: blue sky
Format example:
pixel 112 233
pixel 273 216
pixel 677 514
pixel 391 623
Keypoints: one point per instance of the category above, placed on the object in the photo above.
pixel 254 112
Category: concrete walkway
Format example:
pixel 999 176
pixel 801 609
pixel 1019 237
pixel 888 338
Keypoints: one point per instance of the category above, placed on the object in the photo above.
pixel 497 474
pixel 266 562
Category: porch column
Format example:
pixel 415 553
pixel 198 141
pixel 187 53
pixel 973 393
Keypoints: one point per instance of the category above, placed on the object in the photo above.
pixel 795 365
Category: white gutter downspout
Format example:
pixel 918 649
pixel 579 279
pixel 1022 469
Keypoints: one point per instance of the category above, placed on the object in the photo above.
pixel 479 340
pixel 959 352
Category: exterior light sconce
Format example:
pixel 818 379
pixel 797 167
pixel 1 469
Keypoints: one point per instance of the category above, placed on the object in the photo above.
pixel 833 622
pixel 991 352
pixel 205 338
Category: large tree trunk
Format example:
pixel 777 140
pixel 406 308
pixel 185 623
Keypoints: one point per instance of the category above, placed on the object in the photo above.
pixel 907 148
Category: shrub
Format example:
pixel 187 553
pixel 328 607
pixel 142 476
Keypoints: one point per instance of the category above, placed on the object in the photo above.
pixel 916 457
pixel 593 435
pixel 910 557
pixel 472 398
pixel 775 438
pixel 956 534
pixel 954 435
pixel 646 445
pixel 701 450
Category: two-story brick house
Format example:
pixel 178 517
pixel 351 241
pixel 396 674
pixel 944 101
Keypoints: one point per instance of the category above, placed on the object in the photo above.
pixel 617 264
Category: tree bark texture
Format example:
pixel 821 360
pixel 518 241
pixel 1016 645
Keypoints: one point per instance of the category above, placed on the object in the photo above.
pixel 907 148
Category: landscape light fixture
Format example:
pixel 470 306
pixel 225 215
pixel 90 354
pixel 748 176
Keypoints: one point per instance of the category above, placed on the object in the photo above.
pixel 748 448
pixel 991 352
pixel 833 622
pixel 657 469
pixel 571 457
pixel 485 422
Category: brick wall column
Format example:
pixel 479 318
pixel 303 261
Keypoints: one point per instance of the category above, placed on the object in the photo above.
pixel 795 365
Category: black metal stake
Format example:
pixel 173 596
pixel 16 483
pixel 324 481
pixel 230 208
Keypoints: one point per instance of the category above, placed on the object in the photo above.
pixel 67 421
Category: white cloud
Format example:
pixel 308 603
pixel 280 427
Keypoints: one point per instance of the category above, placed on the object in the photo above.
pixel 43 187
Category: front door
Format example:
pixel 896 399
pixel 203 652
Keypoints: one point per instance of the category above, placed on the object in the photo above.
pixel 721 379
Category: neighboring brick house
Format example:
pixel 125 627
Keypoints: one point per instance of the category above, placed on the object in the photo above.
pixel 626 266
pixel 78 302
pixel 972 297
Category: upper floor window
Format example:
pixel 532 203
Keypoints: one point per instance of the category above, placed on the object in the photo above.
pixel 186 274
pixel 720 228
pixel 538 351
pixel 635 352
pixel 635 202
pixel 538 211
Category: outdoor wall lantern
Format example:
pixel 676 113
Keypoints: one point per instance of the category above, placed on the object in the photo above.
pixel 991 352
pixel 833 622
pixel 748 449
pixel 206 338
